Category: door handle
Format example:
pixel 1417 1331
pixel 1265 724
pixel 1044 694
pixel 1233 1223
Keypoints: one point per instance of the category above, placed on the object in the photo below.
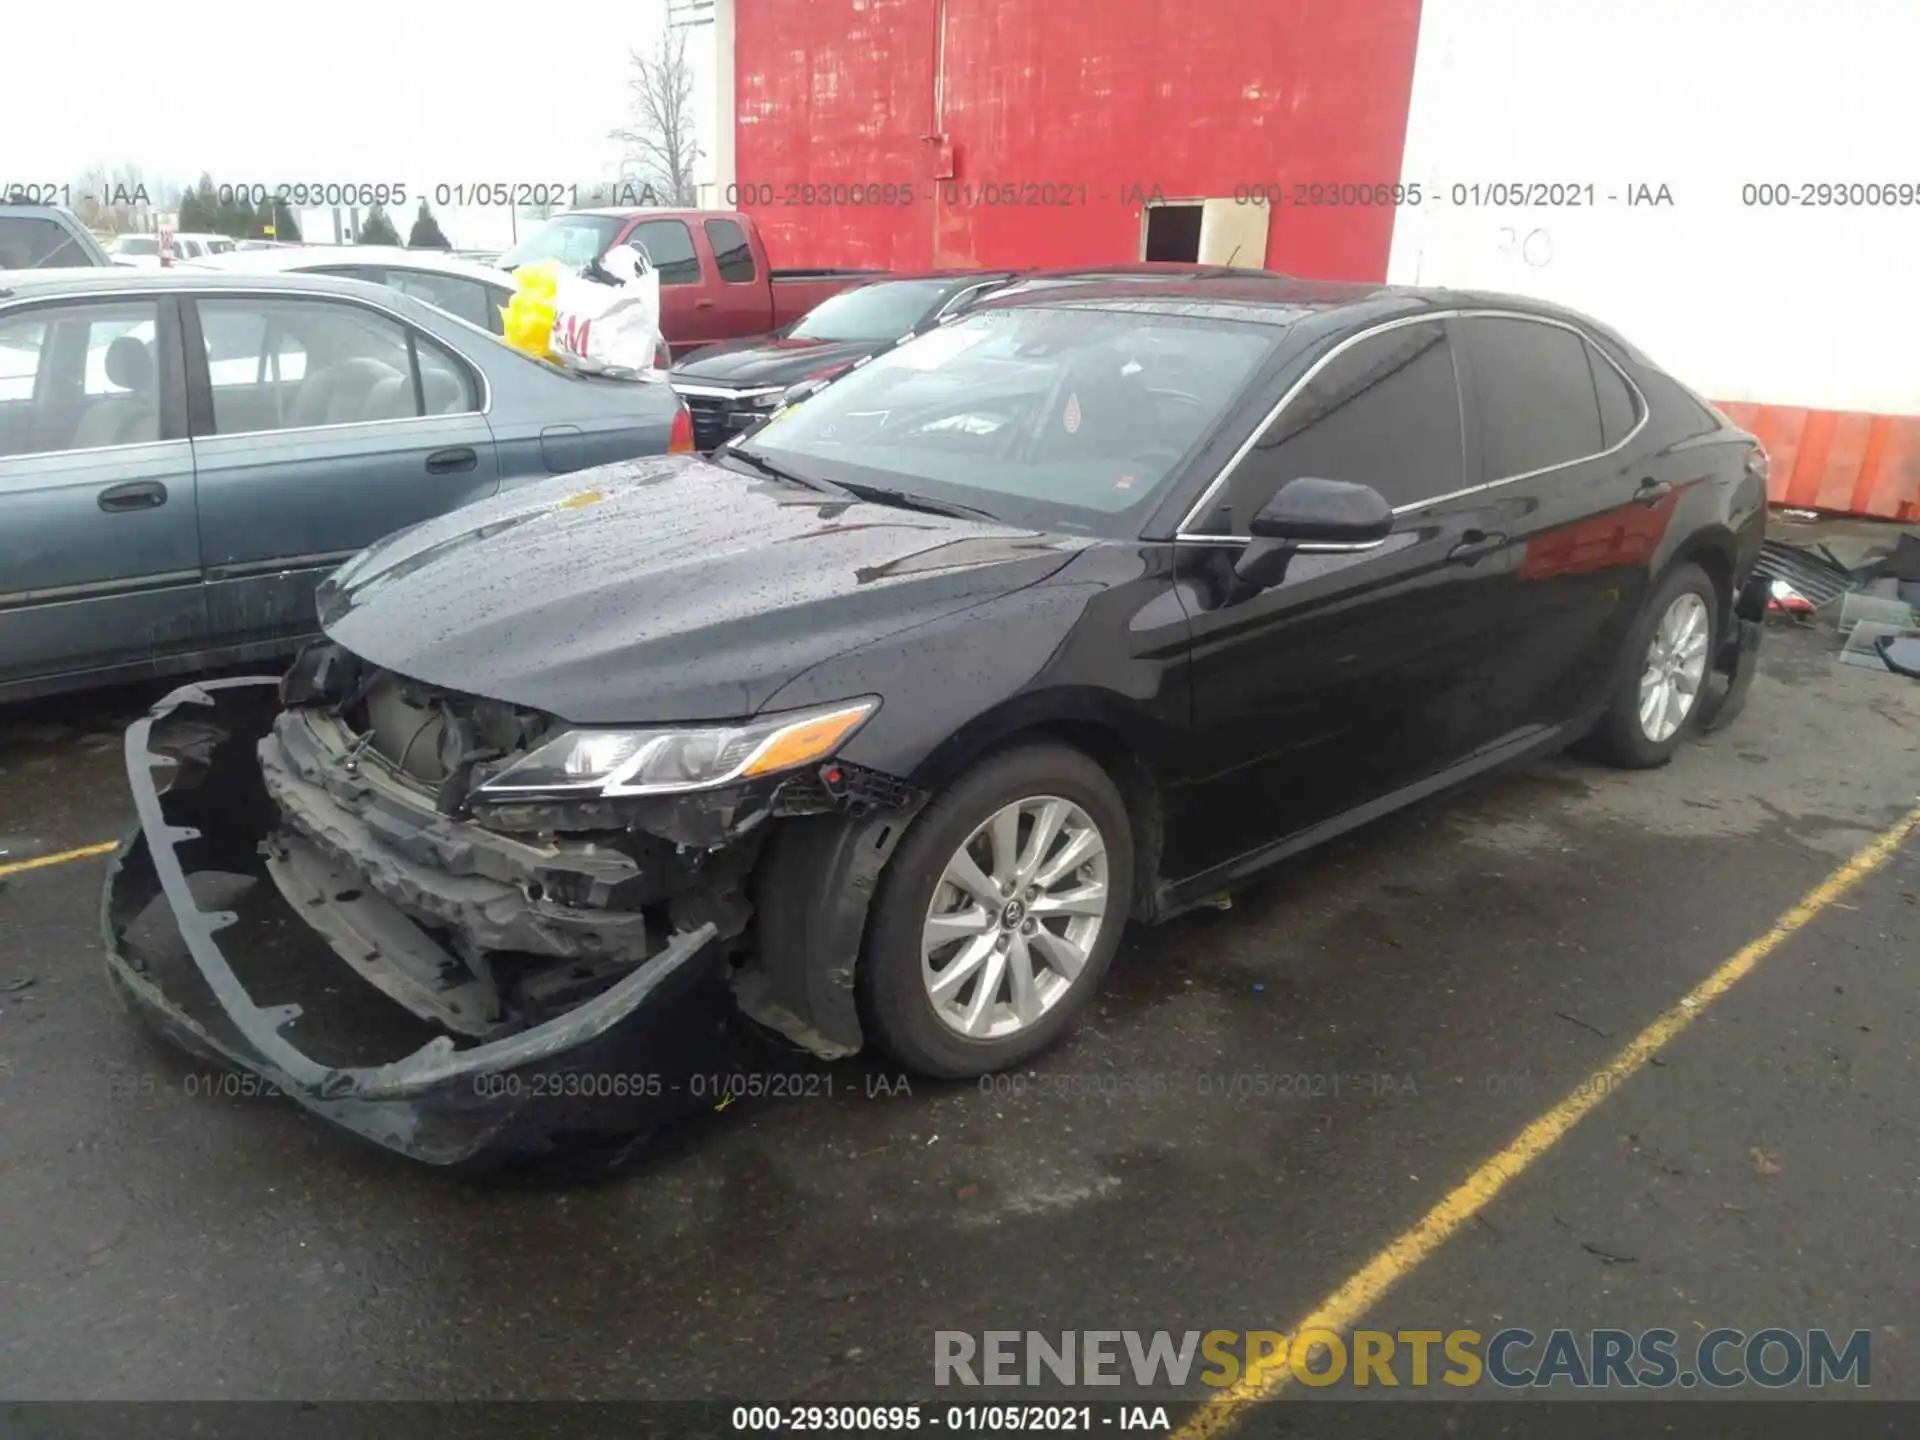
pixel 1473 545
pixel 451 462
pixel 703 304
pixel 136 495
pixel 1651 491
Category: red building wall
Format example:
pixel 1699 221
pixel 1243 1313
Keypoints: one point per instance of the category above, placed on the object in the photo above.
pixel 1106 99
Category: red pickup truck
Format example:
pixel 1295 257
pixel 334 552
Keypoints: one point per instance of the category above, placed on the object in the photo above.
pixel 715 283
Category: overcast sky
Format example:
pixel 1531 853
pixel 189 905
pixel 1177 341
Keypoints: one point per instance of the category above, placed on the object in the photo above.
pixel 338 91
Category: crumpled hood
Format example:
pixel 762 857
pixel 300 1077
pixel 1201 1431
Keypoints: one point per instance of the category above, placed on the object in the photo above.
pixel 783 361
pixel 661 590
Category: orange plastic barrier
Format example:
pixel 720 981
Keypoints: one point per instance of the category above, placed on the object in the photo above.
pixel 1838 460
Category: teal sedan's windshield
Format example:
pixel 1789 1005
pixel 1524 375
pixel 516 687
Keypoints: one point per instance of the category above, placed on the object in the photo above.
pixel 1066 418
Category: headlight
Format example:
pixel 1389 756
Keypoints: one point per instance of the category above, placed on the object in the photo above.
pixel 669 760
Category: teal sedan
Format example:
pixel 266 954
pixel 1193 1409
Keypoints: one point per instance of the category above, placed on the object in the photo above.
pixel 184 456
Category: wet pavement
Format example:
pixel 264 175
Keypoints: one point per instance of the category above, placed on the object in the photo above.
pixel 1264 1097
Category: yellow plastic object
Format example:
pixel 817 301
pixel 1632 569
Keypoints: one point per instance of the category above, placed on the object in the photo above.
pixel 528 316
pixel 528 324
pixel 539 278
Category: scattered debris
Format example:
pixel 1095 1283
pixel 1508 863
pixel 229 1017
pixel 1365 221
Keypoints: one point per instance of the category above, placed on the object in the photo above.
pixel 1874 604
pixel 1901 654
pixel 1783 598
pixel 1861 646
pixel 11 986
pixel 1576 1020
pixel 1902 563
pixel 1800 514
pixel 1765 1162
pixel 1607 1257
pixel 1813 576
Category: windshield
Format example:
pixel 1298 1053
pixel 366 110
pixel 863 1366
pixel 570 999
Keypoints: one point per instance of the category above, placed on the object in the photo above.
pixel 1062 419
pixel 573 240
pixel 885 311
pixel 136 245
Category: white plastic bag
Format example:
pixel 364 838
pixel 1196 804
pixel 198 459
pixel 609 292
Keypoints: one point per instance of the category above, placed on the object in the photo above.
pixel 611 329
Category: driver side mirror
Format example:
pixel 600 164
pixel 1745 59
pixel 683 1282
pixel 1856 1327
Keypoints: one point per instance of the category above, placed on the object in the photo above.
pixel 1310 511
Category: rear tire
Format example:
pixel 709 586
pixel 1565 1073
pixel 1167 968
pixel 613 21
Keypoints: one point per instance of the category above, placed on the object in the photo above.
pixel 958 976
pixel 1658 700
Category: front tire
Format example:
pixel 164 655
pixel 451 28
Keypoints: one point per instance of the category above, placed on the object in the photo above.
pixel 999 914
pixel 1658 701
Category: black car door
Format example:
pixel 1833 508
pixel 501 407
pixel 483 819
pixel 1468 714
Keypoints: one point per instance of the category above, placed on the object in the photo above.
pixel 1364 669
pixel 1567 480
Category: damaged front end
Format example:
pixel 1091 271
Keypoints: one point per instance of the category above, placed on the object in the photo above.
pixel 331 888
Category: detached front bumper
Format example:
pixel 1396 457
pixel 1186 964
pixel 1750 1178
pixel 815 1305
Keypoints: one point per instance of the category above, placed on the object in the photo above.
pixel 1739 657
pixel 203 944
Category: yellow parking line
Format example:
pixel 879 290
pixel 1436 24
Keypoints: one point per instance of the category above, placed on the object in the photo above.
pixel 85 852
pixel 1407 1251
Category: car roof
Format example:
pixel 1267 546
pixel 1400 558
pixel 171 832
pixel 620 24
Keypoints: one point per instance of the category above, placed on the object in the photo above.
pixel 622 212
pixel 957 275
pixel 1261 297
pixel 120 279
pixel 298 258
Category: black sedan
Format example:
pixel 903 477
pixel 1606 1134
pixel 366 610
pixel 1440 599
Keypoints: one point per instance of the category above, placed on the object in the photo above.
pixel 1079 610
pixel 731 387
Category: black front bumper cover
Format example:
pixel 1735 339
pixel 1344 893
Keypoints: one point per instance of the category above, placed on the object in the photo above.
pixel 617 1065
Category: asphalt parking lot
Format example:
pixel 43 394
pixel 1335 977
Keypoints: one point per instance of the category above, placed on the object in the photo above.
pixel 1439 981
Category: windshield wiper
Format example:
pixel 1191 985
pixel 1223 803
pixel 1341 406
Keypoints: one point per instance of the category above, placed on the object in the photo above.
pixel 774 472
pixel 880 495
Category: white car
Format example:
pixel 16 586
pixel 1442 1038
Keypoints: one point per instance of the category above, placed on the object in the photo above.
pixel 143 251
pixel 463 288
pixel 199 247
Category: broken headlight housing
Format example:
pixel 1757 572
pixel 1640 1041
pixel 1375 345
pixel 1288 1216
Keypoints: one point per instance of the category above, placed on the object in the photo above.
pixel 674 759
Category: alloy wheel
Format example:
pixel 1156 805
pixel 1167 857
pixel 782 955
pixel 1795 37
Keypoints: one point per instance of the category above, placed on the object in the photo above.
pixel 1015 916
pixel 1676 667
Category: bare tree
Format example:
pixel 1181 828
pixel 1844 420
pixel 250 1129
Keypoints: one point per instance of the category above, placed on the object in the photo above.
pixel 113 198
pixel 661 147
pixel 90 197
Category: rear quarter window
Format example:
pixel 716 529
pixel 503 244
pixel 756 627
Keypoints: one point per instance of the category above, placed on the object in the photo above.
pixel 1619 411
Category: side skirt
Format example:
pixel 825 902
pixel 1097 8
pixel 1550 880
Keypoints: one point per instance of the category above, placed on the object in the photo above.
pixel 1176 897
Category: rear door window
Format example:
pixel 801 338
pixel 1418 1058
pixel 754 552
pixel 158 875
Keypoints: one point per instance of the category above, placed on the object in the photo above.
pixel 298 364
pixel 669 245
pixel 83 376
pixel 1535 388
pixel 731 252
